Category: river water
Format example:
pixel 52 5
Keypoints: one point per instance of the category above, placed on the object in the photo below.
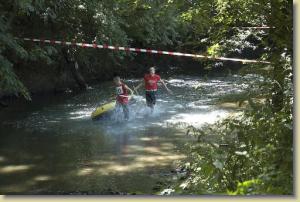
pixel 51 145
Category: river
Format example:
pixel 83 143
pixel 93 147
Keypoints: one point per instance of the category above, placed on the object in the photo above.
pixel 51 145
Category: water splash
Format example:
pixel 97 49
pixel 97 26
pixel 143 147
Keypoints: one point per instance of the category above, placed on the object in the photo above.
pixel 191 103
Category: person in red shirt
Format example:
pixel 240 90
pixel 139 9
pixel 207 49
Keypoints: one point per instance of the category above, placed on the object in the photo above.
pixel 122 95
pixel 150 82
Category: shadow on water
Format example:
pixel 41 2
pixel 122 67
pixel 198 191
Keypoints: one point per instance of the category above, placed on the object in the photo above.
pixel 87 163
pixel 51 146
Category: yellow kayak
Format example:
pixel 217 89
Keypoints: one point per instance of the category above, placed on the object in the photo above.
pixel 103 109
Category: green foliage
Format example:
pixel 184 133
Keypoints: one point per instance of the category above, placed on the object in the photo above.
pixel 246 187
pixel 122 22
pixel 258 158
pixel 193 26
pixel 149 22
pixel 249 153
pixel 214 50
pixel 9 81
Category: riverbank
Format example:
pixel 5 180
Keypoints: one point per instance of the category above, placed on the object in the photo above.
pixel 240 155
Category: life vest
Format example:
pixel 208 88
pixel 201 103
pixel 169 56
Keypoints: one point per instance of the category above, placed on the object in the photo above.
pixel 122 94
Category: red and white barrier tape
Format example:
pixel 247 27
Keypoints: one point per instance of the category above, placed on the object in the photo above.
pixel 262 27
pixel 83 45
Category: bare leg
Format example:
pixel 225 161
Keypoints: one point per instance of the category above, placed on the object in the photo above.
pixel 152 109
pixel 125 111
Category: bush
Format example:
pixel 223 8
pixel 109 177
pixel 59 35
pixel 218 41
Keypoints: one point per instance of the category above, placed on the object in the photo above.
pixel 250 153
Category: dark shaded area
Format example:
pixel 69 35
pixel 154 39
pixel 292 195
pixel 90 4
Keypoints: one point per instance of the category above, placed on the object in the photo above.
pixel 61 158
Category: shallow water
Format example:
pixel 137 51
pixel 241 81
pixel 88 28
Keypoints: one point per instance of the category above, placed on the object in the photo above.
pixel 51 145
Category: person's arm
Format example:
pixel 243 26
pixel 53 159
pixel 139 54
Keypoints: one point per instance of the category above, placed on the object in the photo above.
pixel 165 86
pixel 138 86
pixel 131 91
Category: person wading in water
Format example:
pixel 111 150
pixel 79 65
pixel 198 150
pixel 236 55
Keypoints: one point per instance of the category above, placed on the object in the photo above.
pixel 122 95
pixel 150 82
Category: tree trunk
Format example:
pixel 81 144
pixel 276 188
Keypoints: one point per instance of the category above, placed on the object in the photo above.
pixel 77 75
pixel 74 67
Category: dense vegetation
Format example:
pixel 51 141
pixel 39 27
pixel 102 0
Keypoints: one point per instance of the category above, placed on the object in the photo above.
pixel 249 153
pixel 206 27
pixel 211 27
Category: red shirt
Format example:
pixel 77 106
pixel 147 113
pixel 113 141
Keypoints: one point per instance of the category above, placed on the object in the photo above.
pixel 151 81
pixel 122 94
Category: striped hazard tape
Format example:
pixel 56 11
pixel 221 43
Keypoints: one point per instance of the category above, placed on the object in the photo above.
pixel 141 50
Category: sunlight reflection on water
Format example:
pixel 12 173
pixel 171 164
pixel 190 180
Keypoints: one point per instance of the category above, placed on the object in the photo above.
pixel 187 105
